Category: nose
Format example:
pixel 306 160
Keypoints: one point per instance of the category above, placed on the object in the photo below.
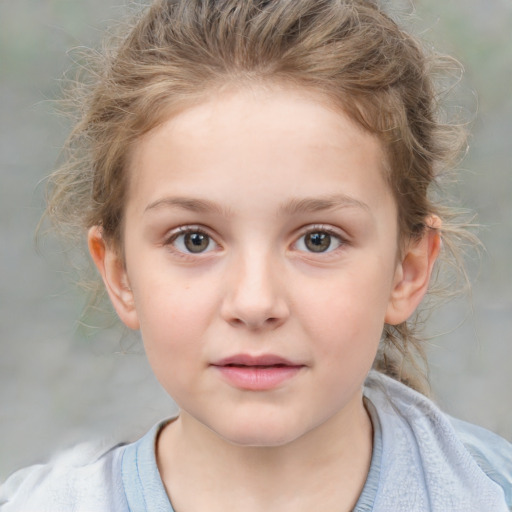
pixel 255 297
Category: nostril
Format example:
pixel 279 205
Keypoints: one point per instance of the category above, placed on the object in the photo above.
pixel 254 323
pixel 254 307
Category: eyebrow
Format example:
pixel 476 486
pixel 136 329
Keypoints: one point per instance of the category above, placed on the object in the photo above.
pixel 187 203
pixel 317 204
pixel 291 207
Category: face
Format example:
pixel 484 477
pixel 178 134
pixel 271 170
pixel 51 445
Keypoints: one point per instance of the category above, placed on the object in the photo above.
pixel 260 247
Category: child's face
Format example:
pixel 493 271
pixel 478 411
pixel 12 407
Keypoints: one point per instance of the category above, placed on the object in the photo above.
pixel 261 262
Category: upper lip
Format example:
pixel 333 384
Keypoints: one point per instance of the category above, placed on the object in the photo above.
pixel 249 360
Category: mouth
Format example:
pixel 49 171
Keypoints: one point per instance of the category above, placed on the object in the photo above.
pixel 257 373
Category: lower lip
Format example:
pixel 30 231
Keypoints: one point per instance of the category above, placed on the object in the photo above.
pixel 256 378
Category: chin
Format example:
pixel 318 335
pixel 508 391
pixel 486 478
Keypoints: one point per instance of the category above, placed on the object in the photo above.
pixel 259 434
pixel 261 441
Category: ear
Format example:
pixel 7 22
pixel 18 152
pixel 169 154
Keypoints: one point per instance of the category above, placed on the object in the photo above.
pixel 113 272
pixel 413 273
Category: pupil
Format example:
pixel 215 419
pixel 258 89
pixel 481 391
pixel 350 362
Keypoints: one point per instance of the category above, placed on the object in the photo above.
pixel 196 242
pixel 318 242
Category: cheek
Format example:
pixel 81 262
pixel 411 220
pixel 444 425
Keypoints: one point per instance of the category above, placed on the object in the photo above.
pixel 347 312
pixel 173 314
pixel 172 324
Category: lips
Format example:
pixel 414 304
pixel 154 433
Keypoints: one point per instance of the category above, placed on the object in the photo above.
pixel 257 373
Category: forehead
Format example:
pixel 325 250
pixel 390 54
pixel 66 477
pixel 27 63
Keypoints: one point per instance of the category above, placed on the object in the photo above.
pixel 255 137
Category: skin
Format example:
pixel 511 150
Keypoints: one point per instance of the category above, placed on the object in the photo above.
pixel 259 172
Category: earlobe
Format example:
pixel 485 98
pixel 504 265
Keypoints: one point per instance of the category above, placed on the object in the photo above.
pixel 115 278
pixel 412 275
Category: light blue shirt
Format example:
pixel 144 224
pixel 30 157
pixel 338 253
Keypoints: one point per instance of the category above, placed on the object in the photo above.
pixel 422 461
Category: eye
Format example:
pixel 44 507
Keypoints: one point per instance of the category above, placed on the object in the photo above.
pixel 319 241
pixel 192 241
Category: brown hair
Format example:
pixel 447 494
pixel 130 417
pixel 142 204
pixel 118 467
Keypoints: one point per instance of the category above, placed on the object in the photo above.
pixel 178 51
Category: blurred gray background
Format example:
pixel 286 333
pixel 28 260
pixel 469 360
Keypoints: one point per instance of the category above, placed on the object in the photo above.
pixel 60 383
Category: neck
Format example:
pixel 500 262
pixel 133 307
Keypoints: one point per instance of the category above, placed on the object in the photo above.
pixel 324 469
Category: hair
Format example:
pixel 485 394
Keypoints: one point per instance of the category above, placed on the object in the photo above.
pixel 177 52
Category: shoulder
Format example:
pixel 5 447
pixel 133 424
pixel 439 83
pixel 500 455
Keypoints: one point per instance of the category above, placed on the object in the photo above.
pixel 84 478
pixel 492 453
pixel 451 456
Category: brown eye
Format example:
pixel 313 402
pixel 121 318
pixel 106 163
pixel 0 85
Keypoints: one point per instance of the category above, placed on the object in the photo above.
pixel 317 242
pixel 196 242
pixel 193 242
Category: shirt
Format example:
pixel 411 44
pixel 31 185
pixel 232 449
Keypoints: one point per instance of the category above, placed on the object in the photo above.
pixel 422 460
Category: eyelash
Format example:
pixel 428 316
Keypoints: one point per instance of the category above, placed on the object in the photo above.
pixel 333 234
pixel 183 231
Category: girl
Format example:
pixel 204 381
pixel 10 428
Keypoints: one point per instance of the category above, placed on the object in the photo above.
pixel 254 179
